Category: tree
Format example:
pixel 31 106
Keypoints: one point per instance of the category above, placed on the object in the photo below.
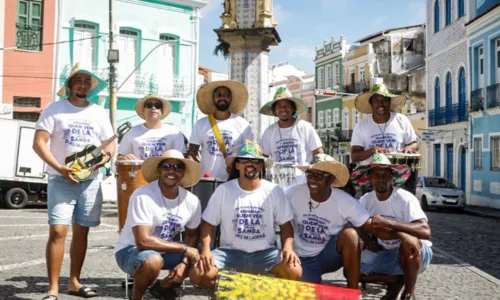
pixel 222 48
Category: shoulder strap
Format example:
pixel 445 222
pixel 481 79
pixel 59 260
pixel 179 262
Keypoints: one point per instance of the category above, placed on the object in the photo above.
pixel 218 135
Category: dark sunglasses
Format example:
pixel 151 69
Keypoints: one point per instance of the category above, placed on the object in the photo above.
pixel 245 160
pixel 176 167
pixel 221 94
pixel 156 105
pixel 317 176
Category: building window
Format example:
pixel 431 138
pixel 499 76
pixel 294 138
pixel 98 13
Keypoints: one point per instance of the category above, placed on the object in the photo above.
pixel 448 12
pixel 85 44
pixel 328 77
pixel 345 119
pixel 26 102
pixel 461 95
pixel 361 74
pixel 128 42
pixel 449 98
pixel 29 25
pixel 498 60
pixel 355 117
pixel 481 61
pixel 336 116
pixel 166 65
pixel 495 153
pixel 461 8
pixel 26 116
pixel 478 153
pixel 436 16
pixel 437 95
pixel 337 74
pixel 321 78
pixel 328 117
pixel 321 118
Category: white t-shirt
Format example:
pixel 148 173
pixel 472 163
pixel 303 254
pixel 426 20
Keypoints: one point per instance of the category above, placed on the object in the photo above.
pixel 166 217
pixel 401 206
pixel 314 227
pixel 247 218
pixel 144 142
pixel 71 128
pixel 234 131
pixel 393 135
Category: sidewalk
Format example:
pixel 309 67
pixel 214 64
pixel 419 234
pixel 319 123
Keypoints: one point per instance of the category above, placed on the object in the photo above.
pixel 482 211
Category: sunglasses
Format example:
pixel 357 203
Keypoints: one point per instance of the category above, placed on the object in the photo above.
pixel 221 94
pixel 176 167
pixel 156 105
pixel 246 160
pixel 317 176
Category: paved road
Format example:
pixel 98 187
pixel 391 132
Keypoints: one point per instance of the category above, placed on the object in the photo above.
pixel 465 247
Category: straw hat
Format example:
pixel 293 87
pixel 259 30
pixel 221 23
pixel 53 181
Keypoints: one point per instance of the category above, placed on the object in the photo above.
pixel 326 163
pixel 249 150
pixel 239 92
pixel 283 93
pixel 140 109
pixel 400 173
pixel 96 86
pixel 192 174
pixel 363 105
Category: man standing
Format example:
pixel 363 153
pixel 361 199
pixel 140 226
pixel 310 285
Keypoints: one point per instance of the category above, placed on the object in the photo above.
pixel 151 138
pixel 397 212
pixel 157 213
pixel 247 208
pixel 383 130
pixel 321 212
pixel 69 125
pixel 222 130
pixel 289 140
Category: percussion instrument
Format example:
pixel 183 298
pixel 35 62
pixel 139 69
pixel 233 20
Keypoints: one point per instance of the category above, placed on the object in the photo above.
pixel 235 285
pixel 412 161
pixel 204 190
pixel 283 174
pixel 129 179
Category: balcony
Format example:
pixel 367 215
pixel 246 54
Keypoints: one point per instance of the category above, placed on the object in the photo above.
pixel 28 37
pixel 476 97
pixel 356 87
pixel 493 96
pixel 444 116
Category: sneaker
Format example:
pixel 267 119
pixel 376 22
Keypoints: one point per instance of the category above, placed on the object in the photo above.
pixel 408 297
pixel 162 293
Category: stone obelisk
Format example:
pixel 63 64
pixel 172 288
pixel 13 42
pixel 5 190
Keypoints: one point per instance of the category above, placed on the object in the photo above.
pixel 249 28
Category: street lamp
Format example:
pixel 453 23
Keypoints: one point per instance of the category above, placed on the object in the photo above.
pixel 113 56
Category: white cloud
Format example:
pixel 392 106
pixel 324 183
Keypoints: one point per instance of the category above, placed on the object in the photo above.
pixel 301 52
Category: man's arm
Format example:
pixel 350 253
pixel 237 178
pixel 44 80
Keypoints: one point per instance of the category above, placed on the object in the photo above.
pixel 144 240
pixel 411 148
pixel 317 151
pixel 419 228
pixel 359 153
pixel 288 255
pixel 194 151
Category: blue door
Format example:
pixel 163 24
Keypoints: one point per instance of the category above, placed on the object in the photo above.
pixel 449 100
pixel 437 160
pixel 463 169
pixel 449 162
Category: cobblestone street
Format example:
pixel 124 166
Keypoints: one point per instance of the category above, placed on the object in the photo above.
pixel 465 264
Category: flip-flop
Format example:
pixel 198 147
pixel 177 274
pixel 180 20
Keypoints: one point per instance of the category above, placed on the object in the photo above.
pixel 50 297
pixel 84 292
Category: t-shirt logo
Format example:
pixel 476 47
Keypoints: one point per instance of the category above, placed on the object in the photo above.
pixel 389 244
pixel 151 147
pixel 287 150
pixel 79 133
pixel 213 145
pixel 387 141
pixel 169 228
pixel 314 229
pixel 248 223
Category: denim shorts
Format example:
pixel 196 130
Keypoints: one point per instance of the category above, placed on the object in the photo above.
pixel 387 261
pixel 327 261
pixel 130 258
pixel 70 203
pixel 258 262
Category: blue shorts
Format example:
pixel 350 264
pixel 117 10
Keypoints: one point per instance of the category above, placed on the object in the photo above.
pixel 327 261
pixel 69 203
pixel 258 262
pixel 387 261
pixel 130 258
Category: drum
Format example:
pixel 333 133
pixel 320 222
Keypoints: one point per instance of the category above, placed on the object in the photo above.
pixel 283 174
pixel 234 285
pixel 129 179
pixel 412 161
pixel 204 190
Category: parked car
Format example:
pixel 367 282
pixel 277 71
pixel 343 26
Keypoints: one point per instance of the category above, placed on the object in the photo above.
pixel 439 192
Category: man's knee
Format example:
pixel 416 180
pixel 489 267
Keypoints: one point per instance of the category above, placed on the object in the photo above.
pixel 203 279
pixel 287 271
pixel 347 238
pixel 408 253
pixel 152 264
pixel 58 232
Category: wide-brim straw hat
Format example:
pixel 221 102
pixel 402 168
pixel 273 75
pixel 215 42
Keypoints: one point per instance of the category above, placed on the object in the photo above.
pixel 97 84
pixel 141 110
pixel 400 173
pixel 283 94
pixel 363 105
pixel 325 163
pixel 192 173
pixel 239 93
pixel 249 149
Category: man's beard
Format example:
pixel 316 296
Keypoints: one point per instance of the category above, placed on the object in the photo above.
pixel 81 95
pixel 222 105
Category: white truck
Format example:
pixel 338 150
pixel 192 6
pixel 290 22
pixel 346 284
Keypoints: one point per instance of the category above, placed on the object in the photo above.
pixel 22 171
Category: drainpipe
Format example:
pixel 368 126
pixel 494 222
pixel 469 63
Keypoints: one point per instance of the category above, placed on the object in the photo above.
pixel 57 32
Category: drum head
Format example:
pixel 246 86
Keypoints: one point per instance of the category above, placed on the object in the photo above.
pixel 129 162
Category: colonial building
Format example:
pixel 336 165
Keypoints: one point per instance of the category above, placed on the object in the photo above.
pixel 483 42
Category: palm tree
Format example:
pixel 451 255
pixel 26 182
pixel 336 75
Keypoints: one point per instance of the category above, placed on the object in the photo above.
pixel 222 48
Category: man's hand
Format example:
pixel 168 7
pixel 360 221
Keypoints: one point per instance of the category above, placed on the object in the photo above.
pixel 129 157
pixel 206 260
pixel 372 244
pixel 413 245
pixel 193 255
pixel 178 273
pixel 288 256
pixel 409 149
pixel 379 150
pixel 381 223
pixel 105 158
pixel 67 173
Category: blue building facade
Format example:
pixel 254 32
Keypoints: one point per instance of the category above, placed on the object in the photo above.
pixel 483 31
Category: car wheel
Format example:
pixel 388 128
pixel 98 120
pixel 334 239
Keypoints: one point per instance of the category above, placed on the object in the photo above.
pixel 424 204
pixel 16 198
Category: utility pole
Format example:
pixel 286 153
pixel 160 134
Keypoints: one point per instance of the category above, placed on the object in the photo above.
pixel 112 59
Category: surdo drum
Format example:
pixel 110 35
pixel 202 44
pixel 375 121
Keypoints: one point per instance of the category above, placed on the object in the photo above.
pixel 129 179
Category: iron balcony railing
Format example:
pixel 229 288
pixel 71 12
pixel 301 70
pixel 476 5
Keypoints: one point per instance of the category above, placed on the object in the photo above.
pixel 28 37
pixel 476 98
pixel 493 96
pixel 449 115
pixel 355 87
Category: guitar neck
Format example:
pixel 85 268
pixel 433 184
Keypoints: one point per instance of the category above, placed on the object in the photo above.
pixel 99 149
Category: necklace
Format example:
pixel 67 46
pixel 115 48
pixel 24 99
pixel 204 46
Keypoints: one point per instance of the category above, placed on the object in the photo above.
pixel 382 131
pixel 165 201
pixel 311 207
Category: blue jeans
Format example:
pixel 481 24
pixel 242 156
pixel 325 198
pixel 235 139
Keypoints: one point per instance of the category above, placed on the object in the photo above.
pixel 69 203
pixel 258 262
pixel 327 261
pixel 130 258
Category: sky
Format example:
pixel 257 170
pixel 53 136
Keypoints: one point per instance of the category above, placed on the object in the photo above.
pixel 304 24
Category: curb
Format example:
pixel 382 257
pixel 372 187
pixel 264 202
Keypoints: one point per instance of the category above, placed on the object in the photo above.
pixel 481 214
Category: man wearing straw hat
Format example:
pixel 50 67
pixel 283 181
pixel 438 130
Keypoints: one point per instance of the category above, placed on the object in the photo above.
pixel 321 212
pixel 397 212
pixel 383 130
pixel 69 125
pixel 289 139
pixel 157 212
pixel 247 208
pixel 222 130
pixel 151 138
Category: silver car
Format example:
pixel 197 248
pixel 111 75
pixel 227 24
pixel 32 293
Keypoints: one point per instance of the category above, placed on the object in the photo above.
pixel 439 192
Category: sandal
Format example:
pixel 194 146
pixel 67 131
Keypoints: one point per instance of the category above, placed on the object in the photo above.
pixel 84 292
pixel 162 293
pixel 50 297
